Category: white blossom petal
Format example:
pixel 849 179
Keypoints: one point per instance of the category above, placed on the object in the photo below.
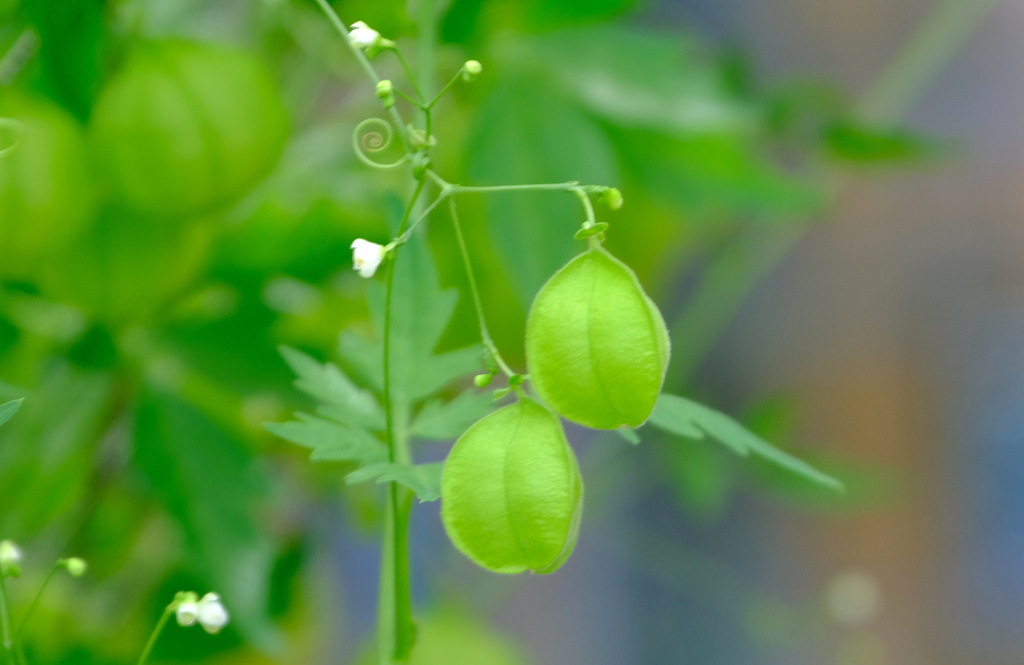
pixel 362 35
pixel 212 614
pixel 366 257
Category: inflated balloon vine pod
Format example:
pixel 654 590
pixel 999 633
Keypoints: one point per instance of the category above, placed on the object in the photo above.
pixel 597 350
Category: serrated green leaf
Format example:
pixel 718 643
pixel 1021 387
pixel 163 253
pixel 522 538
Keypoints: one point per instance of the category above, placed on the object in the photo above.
pixel 331 441
pixel 421 311
pixel 447 420
pixel 207 481
pixel 8 409
pixel 423 479
pixel 679 415
pixel 675 415
pixel 326 383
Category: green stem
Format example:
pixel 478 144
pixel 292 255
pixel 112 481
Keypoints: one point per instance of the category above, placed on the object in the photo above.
pixel 35 601
pixel 156 634
pixel 485 335
pixel 446 88
pixel 5 624
pixel 367 67
pixel 409 75
pixel 395 629
pixel 404 237
pixel 559 186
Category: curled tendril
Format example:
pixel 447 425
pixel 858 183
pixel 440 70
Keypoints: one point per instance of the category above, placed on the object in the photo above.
pixel 373 135
pixel 15 127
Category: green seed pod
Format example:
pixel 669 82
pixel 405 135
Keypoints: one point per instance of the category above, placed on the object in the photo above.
pixel 46 195
pixel 596 345
pixel 184 127
pixel 511 493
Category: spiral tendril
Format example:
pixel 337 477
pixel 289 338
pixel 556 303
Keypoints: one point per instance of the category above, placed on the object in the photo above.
pixel 14 127
pixel 374 135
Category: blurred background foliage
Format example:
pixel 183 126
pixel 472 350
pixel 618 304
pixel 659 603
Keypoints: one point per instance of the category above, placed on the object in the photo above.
pixel 181 205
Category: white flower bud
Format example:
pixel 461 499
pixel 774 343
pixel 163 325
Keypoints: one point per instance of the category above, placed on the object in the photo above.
pixel 212 614
pixel 362 35
pixel 471 69
pixel 10 559
pixel 366 257
pixel 187 614
pixel 76 566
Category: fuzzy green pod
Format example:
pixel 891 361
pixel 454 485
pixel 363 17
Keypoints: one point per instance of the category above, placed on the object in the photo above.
pixel 185 127
pixel 46 194
pixel 596 346
pixel 511 493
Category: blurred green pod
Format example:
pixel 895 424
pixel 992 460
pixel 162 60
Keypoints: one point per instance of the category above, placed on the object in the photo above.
pixel 184 127
pixel 511 493
pixel 596 346
pixel 46 194
pixel 126 268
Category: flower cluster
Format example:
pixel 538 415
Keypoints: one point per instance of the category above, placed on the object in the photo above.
pixel 208 611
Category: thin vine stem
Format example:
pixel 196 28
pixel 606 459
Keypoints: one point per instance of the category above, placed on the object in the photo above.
pixel 433 102
pixel 421 100
pixel 335 20
pixel 485 334
pixel 5 623
pixel 35 601
pixel 168 611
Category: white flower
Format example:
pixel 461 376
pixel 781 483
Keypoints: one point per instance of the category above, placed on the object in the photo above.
pixel 187 613
pixel 211 613
pixel 10 558
pixel 362 35
pixel 366 256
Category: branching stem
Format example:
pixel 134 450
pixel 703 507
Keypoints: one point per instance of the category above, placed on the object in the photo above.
pixel 485 335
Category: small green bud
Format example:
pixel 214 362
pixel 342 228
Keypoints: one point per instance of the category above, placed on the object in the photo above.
pixel 471 70
pixel 10 559
pixel 420 164
pixel 386 93
pixel 612 198
pixel 483 380
pixel 419 139
pixel 75 566
pixel 592 230
pixel 515 380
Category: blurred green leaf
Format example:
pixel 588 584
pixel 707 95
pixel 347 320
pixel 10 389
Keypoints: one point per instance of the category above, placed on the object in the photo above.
pixel 210 484
pixel 331 441
pixel 684 417
pixel 860 143
pixel 643 79
pixel 47 455
pixel 8 409
pixel 423 479
pixel 524 133
pixel 72 44
pixel 447 420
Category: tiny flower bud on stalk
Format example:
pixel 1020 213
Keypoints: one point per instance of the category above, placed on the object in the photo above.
pixel 471 70
pixel 75 566
pixel 10 559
